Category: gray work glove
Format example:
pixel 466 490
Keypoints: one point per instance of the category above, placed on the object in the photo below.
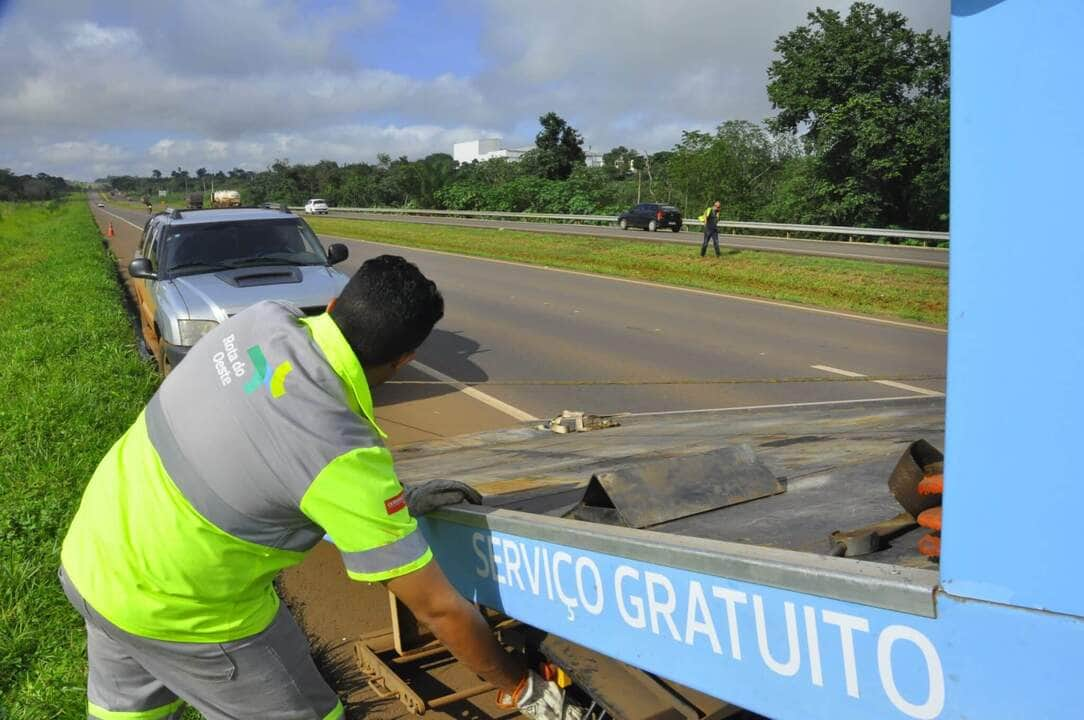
pixel 424 498
pixel 540 699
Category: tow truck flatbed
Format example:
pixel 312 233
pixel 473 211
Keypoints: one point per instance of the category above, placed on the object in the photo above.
pixel 834 461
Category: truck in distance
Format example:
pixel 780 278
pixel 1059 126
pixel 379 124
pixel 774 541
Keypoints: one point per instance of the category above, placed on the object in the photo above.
pixel 226 199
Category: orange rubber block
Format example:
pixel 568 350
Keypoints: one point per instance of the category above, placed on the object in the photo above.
pixel 930 546
pixel 930 518
pixel 932 485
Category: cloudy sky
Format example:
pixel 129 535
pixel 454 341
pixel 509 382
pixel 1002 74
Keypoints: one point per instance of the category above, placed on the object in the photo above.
pixel 97 87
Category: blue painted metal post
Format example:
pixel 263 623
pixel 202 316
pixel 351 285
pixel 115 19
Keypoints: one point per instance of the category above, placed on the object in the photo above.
pixel 1016 305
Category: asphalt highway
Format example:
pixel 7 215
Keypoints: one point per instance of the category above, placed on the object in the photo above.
pixel 544 341
pixel 898 254
pixel 540 341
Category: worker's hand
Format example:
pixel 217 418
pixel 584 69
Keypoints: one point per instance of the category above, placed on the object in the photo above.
pixel 424 498
pixel 540 699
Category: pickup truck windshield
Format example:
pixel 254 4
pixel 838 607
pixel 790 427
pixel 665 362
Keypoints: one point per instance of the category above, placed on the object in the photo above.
pixel 201 248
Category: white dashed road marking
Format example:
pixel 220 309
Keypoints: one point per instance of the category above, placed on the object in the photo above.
pixel 475 393
pixel 888 383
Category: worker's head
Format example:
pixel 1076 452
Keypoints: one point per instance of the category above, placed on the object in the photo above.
pixel 385 312
pixel 717 205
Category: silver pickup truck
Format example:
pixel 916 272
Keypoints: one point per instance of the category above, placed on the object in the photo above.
pixel 196 268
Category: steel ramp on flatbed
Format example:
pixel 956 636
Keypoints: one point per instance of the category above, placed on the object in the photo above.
pixel 833 460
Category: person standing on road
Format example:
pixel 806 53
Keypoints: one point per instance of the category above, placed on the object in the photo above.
pixel 711 230
pixel 259 443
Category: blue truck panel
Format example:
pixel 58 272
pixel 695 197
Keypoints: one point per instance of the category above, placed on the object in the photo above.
pixel 1016 305
pixel 777 652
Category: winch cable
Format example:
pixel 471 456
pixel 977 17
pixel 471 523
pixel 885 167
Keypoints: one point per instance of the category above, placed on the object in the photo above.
pixel 537 382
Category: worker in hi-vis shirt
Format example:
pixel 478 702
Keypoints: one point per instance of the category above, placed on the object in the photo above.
pixel 257 445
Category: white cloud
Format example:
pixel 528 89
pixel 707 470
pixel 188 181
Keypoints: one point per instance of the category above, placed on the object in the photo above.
pixel 219 83
pixel 73 159
pixel 75 151
pixel 342 143
pixel 693 63
pixel 94 37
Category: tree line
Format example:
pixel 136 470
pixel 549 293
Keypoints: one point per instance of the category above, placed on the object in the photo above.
pixel 859 137
pixel 31 187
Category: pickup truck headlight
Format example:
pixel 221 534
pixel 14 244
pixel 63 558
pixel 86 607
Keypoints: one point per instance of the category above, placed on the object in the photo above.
pixel 193 330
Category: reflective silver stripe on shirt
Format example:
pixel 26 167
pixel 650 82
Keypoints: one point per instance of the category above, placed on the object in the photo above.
pixel 244 458
pixel 402 552
pixel 296 533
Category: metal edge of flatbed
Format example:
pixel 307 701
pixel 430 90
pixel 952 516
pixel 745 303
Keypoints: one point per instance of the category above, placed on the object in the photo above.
pixel 891 587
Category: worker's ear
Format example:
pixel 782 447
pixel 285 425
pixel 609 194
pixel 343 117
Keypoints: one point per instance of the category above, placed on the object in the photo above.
pixel 402 360
pixel 331 305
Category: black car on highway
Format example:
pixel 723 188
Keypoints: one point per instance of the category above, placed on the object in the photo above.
pixel 651 216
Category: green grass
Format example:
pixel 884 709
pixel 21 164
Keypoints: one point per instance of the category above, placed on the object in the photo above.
pixel 71 383
pixel 881 289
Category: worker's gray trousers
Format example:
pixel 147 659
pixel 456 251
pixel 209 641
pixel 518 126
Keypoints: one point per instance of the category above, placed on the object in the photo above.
pixel 268 675
pixel 713 236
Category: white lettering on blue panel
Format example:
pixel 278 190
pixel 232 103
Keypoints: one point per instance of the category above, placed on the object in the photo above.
pixel 717 631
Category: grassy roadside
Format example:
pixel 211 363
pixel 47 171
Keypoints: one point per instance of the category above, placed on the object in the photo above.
pixel 893 291
pixel 72 382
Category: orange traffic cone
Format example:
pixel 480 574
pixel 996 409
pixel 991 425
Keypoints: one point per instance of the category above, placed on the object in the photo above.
pixel 109 232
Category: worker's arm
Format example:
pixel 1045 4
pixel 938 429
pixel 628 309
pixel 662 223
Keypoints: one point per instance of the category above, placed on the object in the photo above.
pixel 359 502
pixel 457 624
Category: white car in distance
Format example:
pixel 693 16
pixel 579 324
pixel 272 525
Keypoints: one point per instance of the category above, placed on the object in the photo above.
pixel 316 206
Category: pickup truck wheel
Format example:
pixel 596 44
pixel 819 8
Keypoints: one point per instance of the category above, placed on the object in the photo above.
pixel 653 226
pixel 623 224
pixel 676 228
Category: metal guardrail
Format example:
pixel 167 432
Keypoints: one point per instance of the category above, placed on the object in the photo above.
pixel 930 235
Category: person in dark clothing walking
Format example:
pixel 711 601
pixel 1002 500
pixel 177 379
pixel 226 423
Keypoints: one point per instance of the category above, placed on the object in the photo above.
pixel 711 230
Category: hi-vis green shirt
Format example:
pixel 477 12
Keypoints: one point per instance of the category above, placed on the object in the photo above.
pixel 261 441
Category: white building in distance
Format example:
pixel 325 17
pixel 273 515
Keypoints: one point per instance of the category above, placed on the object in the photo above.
pixel 485 149
pixel 489 148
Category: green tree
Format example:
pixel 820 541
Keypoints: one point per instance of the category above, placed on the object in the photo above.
pixel 738 165
pixel 431 174
pixel 619 161
pixel 872 97
pixel 180 179
pixel 558 148
pixel 323 178
pixel 31 187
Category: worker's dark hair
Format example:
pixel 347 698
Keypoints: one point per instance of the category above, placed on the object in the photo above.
pixel 387 309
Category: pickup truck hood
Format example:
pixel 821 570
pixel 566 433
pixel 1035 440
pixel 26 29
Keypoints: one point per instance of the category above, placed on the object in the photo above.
pixel 217 296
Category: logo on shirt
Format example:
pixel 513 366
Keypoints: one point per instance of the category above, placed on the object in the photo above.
pixel 275 380
pixel 395 504
pixel 227 361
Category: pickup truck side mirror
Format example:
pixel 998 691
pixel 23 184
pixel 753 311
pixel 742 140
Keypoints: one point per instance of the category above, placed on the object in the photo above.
pixel 141 268
pixel 336 253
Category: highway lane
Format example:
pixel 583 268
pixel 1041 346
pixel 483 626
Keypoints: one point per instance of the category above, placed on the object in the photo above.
pixel 897 254
pixel 606 345
pixel 508 326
